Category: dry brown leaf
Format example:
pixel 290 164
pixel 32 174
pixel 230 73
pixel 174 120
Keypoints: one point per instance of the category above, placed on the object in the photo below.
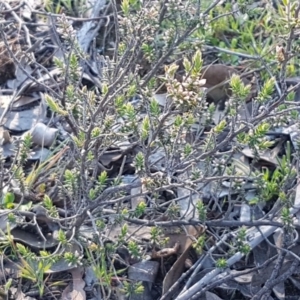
pixel 22 100
pixel 66 292
pixel 78 292
pixel 33 240
pixel 166 251
pixel 110 156
pixel 178 267
pixel 4 136
pixel 47 79
pixel 266 156
pixel 22 120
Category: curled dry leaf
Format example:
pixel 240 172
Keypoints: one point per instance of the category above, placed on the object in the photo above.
pixel 42 135
pixel 77 293
pixel 166 251
pixel 4 136
pixel 177 269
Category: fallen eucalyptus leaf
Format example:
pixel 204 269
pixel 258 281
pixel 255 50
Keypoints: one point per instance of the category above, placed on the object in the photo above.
pixel 77 292
pixel 25 119
pixel 143 271
pixel 23 101
pixel 33 240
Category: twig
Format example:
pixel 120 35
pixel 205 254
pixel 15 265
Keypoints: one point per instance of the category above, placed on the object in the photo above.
pixel 288 47
pixel 219 281
pixel 244 55
pixel 220 223
pixel 71 18
pixel 21 25
pixel 270 284
pixel 89 30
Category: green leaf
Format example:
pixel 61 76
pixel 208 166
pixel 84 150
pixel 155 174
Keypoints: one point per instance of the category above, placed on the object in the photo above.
pixel 154 108
pixel 55 107
pixel 178 121
pixel 22 249
pixel 96 132
pixel 58 62
pixel 145 129
pixel 102 178
pixel 197 61
pixel 47 267
pixel 10 205
pixel 171 70
pixel 124 230
pixel 253 201
pixel 139 161
pixel 92 194
pixel 8 284
pixel 220 127
pixel 47 201
pixel 9 198
pixel 104 88
pixel 125 7
pixel 187 65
